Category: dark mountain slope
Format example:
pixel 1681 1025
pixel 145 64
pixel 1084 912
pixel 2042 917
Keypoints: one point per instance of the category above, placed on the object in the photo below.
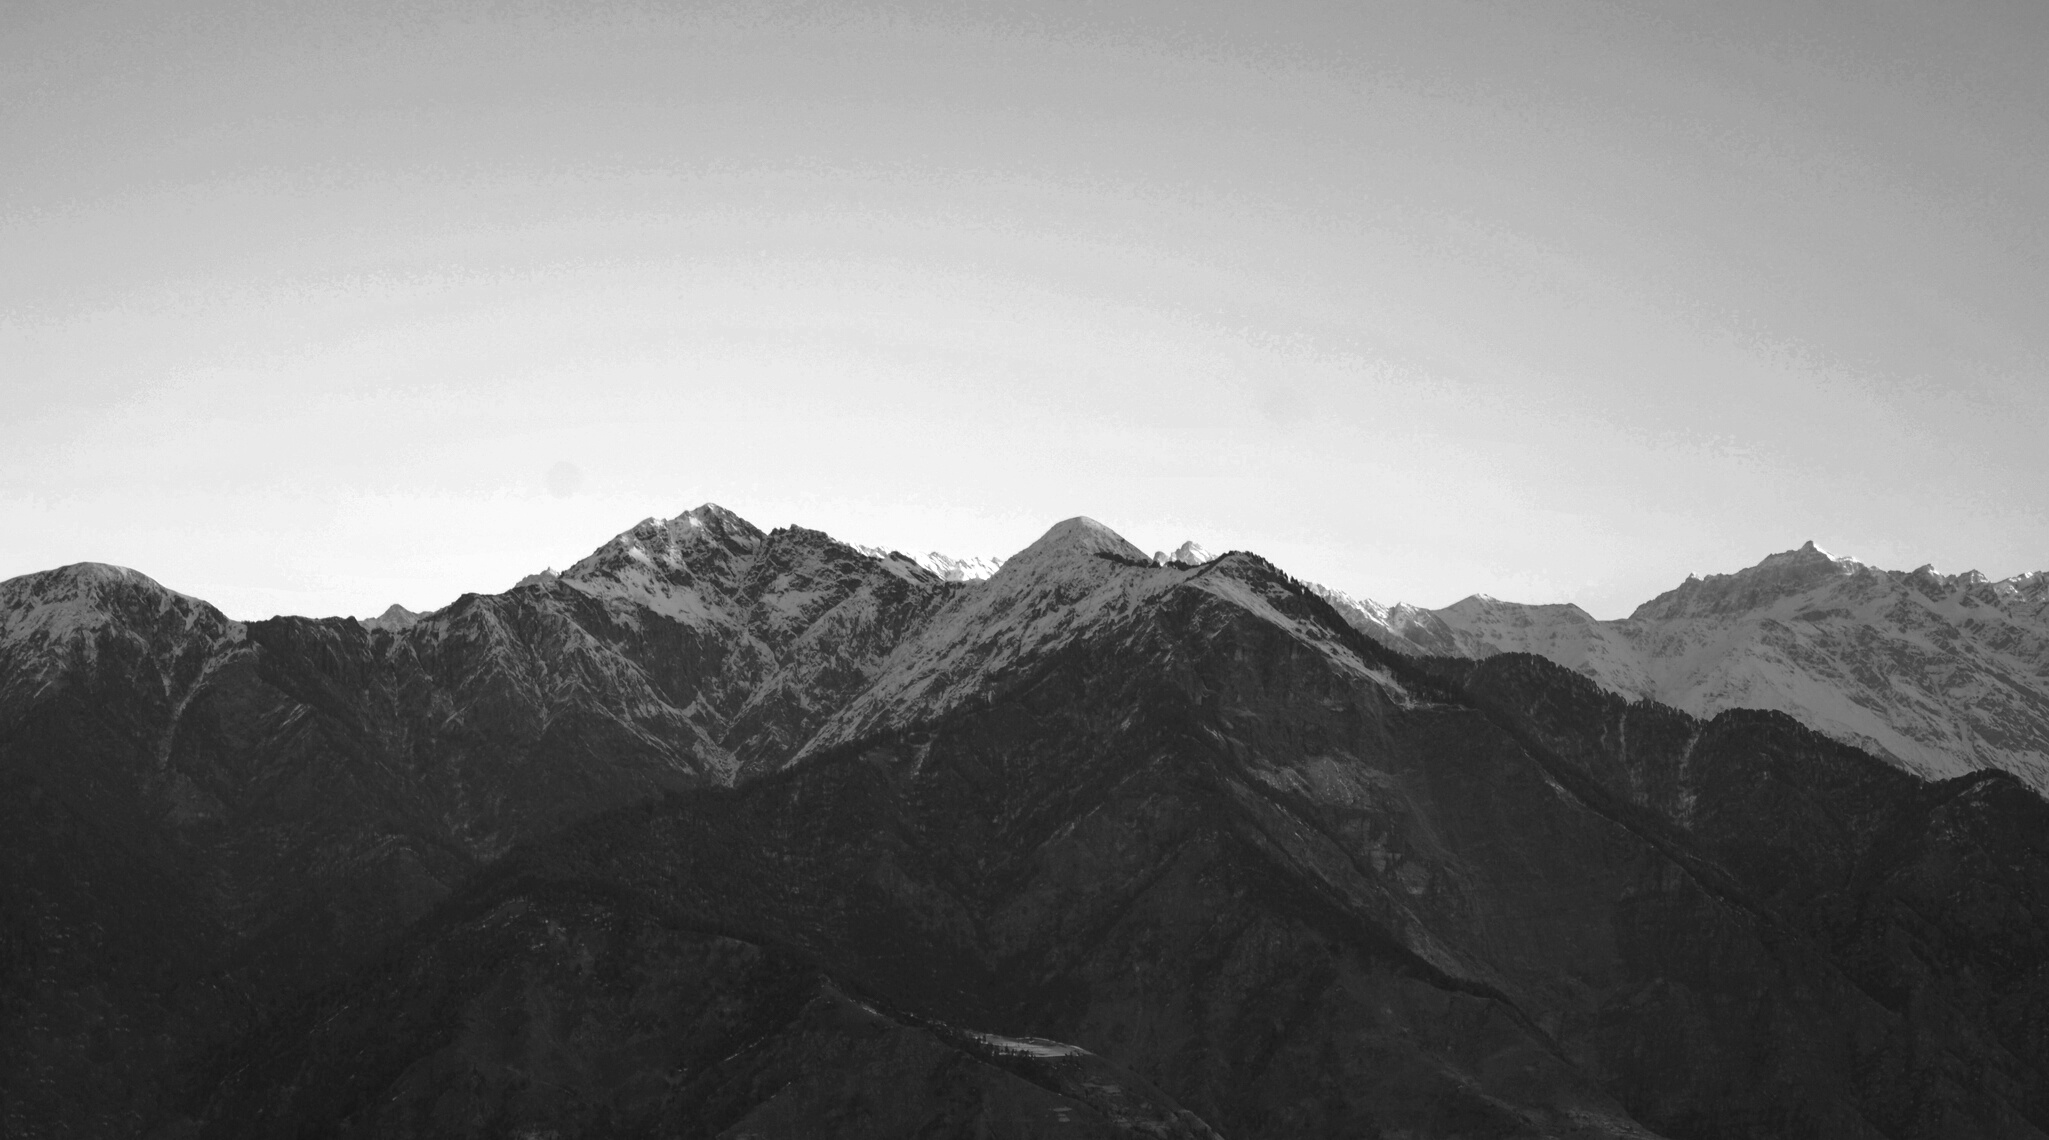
pixel 1930 898
pixel 549 1007
pixel 1305 890
pixel 208 815
pixel 724 833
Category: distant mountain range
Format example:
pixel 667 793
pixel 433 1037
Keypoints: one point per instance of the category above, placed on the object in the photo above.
pixel 724 832
pixel 1940 673
pixel 972 569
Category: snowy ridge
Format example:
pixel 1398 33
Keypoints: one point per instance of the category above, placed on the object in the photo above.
pixel 1053 590
pixel 60 604
pixel 795 619
pixel 70 609
pixel 1941 673
pixel 95 624
pixel 1420 628
pixel 680 568
pixel 1189 553
pixel 945 567
pixel 1256 594
pixel 1028 1046
pixel 971 569
pixel 1081 578
pixel 71 600
pixel 797 641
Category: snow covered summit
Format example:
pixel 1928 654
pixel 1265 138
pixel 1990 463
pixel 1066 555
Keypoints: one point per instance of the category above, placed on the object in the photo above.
pixel 1190 553
pixel 1943 674
pixel 973 568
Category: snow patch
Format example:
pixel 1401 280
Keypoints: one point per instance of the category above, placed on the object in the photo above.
pixel 1028 1046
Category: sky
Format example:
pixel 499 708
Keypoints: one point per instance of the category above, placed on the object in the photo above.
pixel 314 308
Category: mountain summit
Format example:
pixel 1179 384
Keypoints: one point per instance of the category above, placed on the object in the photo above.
pixel 1942 674
pixel 1189 553
pixel 1779 576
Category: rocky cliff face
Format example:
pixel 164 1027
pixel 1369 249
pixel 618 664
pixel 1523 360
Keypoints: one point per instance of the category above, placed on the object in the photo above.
pixel 1097 847
pixel 1942 674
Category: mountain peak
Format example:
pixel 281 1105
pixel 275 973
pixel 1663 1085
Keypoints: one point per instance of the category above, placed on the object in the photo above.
pixel 717 519
pixel 1806 554
pixel 1777 576
pixel 85 596
pixel 707 521
pixel 544 579
pixel 660 544
pixel 94 583
pixel 1190 553
pixel 396 618
pixel 1079 536
pixel 83 576
pixel 2032 587
pixel 1489 607
pixel 970 569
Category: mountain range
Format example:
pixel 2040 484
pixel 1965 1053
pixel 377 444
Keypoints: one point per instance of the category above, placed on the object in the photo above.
pixel 1940 673
pixel 724 832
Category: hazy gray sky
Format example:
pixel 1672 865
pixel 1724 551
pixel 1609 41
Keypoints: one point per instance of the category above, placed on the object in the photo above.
pixel 317 307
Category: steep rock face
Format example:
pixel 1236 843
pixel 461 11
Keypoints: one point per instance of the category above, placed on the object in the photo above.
pixel 1943 674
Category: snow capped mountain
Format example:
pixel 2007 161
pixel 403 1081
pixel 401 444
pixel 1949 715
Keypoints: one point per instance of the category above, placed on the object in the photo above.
pixel 1402 626
pixel 1943 674
pixel 1940 673
pixel 971 569
pixel 678 567
pixel 1065 582
pixel 95 621
pixel 1189 553
pixel 674 654
pixel 1081 580
pixel 789 833
pixel 58 606
pixel 945 567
